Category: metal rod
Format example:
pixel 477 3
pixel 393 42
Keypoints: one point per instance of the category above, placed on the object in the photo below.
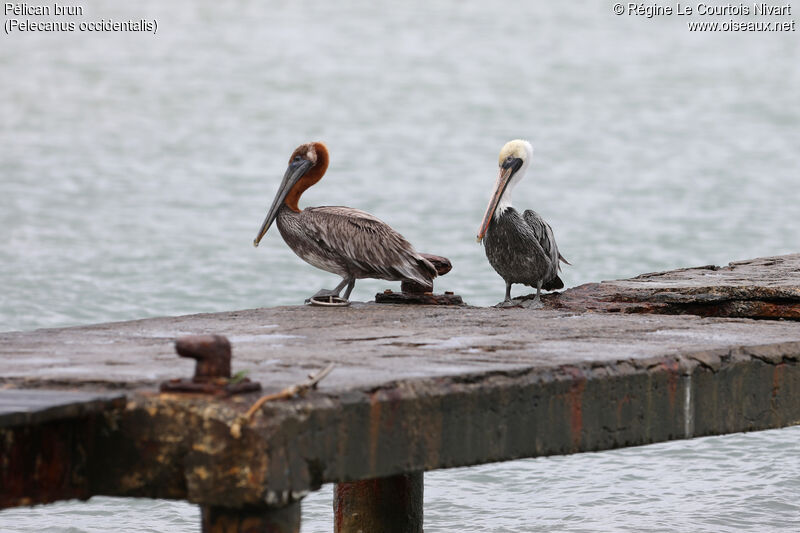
pixel 387 505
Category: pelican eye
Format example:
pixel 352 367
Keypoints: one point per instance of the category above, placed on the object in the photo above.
pixel 297 158
pixel 511 161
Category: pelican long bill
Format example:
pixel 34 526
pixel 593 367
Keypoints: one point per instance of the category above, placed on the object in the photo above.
pixel 294 172
pixel 503 178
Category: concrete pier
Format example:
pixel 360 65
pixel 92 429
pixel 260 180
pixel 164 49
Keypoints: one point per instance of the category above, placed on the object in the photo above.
pixel 768 287
pixel 415 388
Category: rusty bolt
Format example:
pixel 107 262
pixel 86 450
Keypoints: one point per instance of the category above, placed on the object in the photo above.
pixel 410 286
pixel 212 352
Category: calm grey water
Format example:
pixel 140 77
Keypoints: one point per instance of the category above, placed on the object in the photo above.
pixel 136 168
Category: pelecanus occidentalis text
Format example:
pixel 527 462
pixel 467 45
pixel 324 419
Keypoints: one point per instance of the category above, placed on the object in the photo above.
pixel 521 248
pixel 341 240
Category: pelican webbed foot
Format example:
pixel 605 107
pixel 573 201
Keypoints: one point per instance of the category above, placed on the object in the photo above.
pixel 333 294
pixel 324 293
pixel 535 304
pixel 328 301
pixel 508 302
pixel 537 301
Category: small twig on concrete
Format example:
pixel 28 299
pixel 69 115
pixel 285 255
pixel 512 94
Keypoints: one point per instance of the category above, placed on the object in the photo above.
pixel 289 392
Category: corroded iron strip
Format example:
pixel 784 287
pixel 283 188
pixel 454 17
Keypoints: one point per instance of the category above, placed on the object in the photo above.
pixel 183 447
pixel 445 423
pixel 188 451
pixel 50 461
pixel 388 505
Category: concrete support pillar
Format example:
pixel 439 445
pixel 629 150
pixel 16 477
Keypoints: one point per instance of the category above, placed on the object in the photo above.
pixel 251 519
pixel 383 505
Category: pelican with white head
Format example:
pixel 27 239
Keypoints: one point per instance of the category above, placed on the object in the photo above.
pixel 521 248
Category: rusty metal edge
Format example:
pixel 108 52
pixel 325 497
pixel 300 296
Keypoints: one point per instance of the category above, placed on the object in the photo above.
pixel 175 447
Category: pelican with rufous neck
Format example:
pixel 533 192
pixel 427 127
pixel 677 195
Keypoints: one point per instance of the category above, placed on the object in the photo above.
pixel 341 240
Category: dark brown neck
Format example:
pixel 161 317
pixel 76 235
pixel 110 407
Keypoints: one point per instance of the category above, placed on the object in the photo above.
pixel 309 178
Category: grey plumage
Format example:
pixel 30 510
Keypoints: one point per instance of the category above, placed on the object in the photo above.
pixel 522 249
pixel 352 243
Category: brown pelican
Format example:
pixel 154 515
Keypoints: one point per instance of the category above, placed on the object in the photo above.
pixel 522 249
pixel 341 240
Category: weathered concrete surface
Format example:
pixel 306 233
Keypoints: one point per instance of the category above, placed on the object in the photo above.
pixel 372 344
pixel 414 389
pixel 768 287
pixel 21 407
